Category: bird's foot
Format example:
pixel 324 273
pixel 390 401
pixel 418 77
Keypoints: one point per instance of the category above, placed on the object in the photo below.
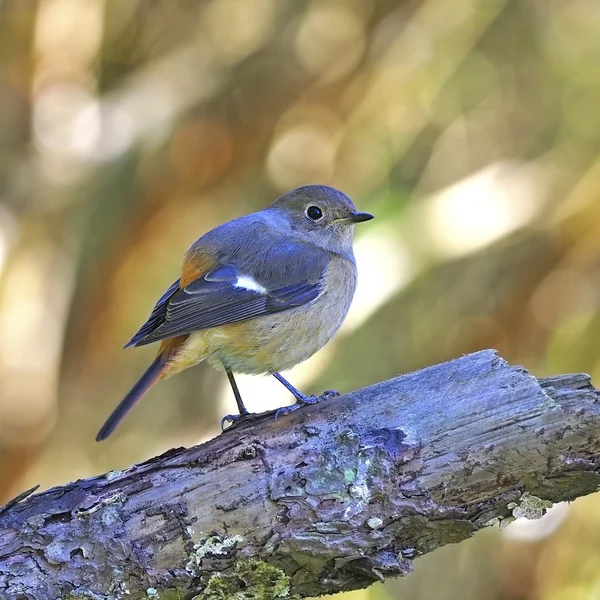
pixel 300 402
pixel 329 394
pixel 233 420
pixel 305 400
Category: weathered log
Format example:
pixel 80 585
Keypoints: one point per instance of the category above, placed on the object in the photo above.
pixel 329 498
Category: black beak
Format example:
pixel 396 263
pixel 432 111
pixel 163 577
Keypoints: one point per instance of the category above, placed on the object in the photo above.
pixel 359 217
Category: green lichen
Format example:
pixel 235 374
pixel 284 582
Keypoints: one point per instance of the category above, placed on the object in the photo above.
pixel 530 507
pixel 374 523
pixel 116 499
pixel 349 476
pixel 497 521
pixel 214 545
pixel 252 579
pixel 168 594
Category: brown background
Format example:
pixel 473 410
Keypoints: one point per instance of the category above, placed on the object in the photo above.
pixel 470 128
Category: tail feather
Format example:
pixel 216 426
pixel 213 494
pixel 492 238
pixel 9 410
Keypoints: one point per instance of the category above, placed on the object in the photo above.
pixel 146 381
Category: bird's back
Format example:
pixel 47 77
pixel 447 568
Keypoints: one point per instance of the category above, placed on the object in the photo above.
pixel 260 244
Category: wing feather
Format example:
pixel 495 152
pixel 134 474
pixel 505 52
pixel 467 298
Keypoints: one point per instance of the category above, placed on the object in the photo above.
pixel 217 298
pixel 157 316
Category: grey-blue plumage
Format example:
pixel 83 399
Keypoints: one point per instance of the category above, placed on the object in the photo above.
pixel 261 293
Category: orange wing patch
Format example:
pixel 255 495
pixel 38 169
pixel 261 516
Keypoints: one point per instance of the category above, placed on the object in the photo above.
pixel 197 262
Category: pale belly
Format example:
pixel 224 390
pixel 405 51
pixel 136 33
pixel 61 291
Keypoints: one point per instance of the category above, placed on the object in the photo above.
pixel 276 342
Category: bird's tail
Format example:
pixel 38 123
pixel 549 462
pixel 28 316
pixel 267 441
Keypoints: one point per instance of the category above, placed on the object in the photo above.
pixel 146 381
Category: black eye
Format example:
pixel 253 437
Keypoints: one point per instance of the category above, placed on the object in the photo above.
pixel 314 213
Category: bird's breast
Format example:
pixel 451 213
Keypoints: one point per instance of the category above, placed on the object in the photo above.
pixel 282 340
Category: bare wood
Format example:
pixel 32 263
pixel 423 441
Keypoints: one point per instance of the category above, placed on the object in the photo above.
pixel 329 498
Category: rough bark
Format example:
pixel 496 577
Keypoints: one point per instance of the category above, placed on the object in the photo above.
pixel 329 498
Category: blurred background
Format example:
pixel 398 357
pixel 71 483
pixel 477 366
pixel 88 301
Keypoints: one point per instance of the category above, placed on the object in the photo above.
pixel 471 129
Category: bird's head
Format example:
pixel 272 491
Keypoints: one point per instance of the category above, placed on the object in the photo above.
pixel 320 215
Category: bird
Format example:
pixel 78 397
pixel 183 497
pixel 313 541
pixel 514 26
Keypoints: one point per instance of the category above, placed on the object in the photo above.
pixel 256 295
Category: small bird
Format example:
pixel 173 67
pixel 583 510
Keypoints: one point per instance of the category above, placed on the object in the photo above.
pixel 257 295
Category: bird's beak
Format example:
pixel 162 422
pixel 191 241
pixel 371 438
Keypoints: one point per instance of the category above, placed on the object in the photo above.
pixel 359 217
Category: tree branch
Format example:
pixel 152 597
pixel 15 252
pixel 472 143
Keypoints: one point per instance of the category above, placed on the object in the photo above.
pixel 329 498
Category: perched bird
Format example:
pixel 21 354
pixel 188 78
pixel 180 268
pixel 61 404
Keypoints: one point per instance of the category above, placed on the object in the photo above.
pixel 259 294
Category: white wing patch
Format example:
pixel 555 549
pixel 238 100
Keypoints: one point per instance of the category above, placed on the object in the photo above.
pixel 248 283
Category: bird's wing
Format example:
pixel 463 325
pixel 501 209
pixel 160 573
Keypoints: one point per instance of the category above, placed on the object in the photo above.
pixel 292 276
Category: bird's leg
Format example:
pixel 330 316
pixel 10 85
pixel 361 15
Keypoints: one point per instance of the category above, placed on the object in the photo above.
pixel 238 400
pixel 301 399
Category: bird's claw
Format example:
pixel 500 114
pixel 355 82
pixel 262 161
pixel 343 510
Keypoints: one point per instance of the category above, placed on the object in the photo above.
pixel 232 420
pixel 300 402
pixel 286 410
pixel 306 400
pixel 309 400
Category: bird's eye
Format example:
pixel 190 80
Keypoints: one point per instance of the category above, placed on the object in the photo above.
pixel 314 213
